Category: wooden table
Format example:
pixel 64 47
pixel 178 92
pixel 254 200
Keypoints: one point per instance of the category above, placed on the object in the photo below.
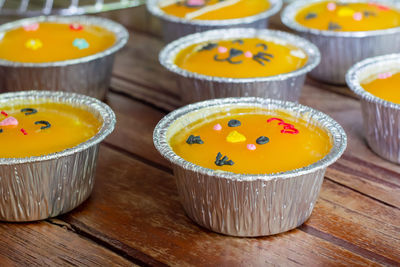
pixel 134 217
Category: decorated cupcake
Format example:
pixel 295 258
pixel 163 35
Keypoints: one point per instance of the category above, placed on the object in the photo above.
pixel 376 81
pixel 49 151
pixel 73 54
pixel 240 62
pixel 183 17
pixel 345 32
pixel 249 166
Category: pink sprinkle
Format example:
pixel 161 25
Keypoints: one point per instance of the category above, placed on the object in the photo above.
pixel 384 75
pixel 222 49
pixel 358 16
pixel 23 131
pixel 31 27
pixel 9 121
pixel 196 2
pixel 251 147
pixel 4 113
pixel 331 6
pixel 248 54
pixel 217 127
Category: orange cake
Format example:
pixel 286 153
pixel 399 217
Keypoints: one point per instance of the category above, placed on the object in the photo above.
pixel 241 58
pixel 52 41
pixel 338 16
pixel 39 129
pixel 248 141
pixel 213 9
pixel 384 85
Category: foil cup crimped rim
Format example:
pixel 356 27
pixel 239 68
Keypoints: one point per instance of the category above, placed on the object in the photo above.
pixel 337 132
pixel 288 18
pixel 170 51
pixel 353 77
pixel 105 112
pixel 155 10
pixel 120 32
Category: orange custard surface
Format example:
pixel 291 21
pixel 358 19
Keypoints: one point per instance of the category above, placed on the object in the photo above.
pixel 246 141
pixel 49 42
pixel 384 85
pixel 213 9
pixel 340 16
pixel 241 58
pixel 29 129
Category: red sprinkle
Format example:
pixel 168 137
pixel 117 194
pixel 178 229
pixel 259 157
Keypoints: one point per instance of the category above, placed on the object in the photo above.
pixel 4 113
pixel 23 131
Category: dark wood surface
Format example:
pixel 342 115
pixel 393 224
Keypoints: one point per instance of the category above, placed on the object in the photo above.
pixel 134 217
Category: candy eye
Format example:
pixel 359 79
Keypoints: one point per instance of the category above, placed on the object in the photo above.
pixel 45 123
pixel 29 111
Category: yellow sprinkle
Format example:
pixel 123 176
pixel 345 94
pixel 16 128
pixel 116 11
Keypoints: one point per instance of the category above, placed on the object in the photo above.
pixel 33 44
pixel 235 137
pixel 345 12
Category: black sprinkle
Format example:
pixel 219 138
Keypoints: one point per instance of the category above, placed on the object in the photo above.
pixel 262 56
pixel 334 26
pixel 221 161
pixel 194 140
pixel 235 52
pixel 232 53
pixel 262 140
pixel 234 123
pixel 311 16
pixel 342 4
pixel 369 14
pixel 264 46
pixel 209 46
pixel 45 123
pixel 1 130
pixel 239 41
pixel 29 111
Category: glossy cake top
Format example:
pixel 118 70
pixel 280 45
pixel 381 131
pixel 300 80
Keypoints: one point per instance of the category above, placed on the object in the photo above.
pixel 251 141
pixel 341 16
pixel 241 58
pixel 37 129
pixel 384 85
pixel 51 41
pixel 213 9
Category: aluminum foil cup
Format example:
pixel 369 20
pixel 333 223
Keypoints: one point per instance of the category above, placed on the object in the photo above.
pixel 381 117
pixel 341 50
pixel 36 188
pixel 174 27
pixel 87 75
pixel 247 205
pixel 195 87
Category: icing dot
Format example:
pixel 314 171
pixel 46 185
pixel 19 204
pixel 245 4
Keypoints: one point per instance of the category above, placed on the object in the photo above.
pixel 76 27
pixel 235 137
pixel 222 49
pixel 217 127
pixel 251 147
pixel 248 54
pixel 31 27
pixel 357 16
pixel 331 6
pixel 33 44
pixel 9 121
pixel 384 75
pixel 80 43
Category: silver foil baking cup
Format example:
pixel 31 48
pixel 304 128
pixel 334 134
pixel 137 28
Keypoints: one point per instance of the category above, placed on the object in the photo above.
pixel 36 188
pixel 195 87
pixel 87 75
pixel 174 27
pixel 243 204
pixel 381 117
pixel 341 50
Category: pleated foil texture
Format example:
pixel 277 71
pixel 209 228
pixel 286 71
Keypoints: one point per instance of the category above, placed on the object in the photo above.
pixel 244 204
pixel 88 75
pixel 175 27
pixel 37 188
pixel 380 118
pixel 341 50
pixel 196 87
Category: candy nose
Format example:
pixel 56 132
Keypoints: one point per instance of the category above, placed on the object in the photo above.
pixel 10 121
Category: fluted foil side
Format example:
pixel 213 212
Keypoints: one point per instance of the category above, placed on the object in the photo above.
pixel 341 50
pixel 174 27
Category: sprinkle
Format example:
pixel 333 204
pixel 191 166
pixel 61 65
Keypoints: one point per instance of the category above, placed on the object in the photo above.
pixel 9 121
pixel 80 43
pixel 298 53
pixel 31 27
pixel 260 56
pixel 33 44
pixel 194 140
pixel 385 75
pixel 221 161
pixel 334 26
pixel 358 16
pixel 4 113
pixel 379 6
pixel 209 46
pixel 23 131
pixel 251 147
pixel 29 111
pixel 331 6
pixel 45 123
pixel 262 140
pixel 310 16
pixel 264 46
pixel 369 14
pixel 234 123
pixel 248 54
pixel 217 127
pixel 235 137
pixel 195 3
pixel 222 49
pixel 76 27
pixel 239 41
pixel 345 12
pixel 1 130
